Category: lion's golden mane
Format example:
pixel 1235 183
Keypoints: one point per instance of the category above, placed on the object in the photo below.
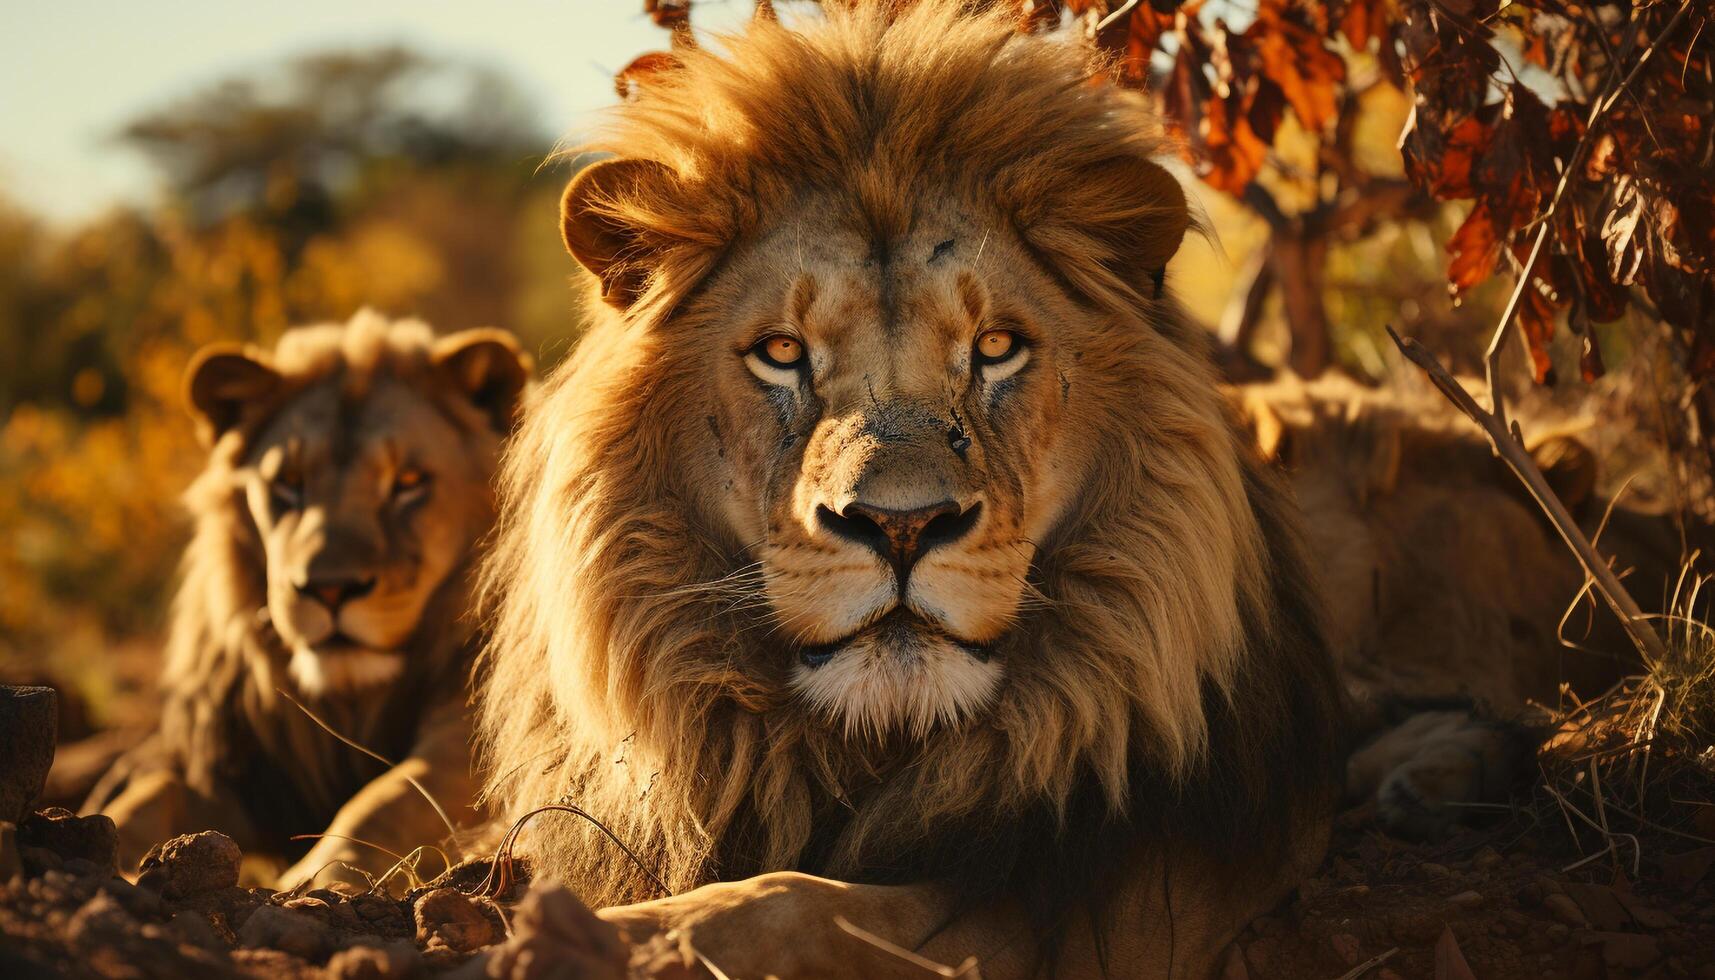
pixel 1178 692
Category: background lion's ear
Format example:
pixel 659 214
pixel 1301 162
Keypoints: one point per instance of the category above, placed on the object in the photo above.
pixel 1136 209
pixel 599 231
pixel 222 381
pixel 489 367
pixel 1569 466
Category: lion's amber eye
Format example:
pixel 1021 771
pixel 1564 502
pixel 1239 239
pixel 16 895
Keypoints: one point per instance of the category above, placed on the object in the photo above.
pixel 781 350
pixel 408 481
pixel 994 346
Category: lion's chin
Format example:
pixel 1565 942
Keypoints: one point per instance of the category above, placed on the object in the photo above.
pixel 343 669
pixel 897 676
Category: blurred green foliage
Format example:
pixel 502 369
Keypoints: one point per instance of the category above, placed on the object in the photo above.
pixel 299 194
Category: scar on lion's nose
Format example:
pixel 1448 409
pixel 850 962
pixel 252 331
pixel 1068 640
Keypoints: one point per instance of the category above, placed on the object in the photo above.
pixel 901 536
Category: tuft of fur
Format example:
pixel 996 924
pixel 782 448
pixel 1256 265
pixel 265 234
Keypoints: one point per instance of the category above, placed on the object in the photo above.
pixel 1171 694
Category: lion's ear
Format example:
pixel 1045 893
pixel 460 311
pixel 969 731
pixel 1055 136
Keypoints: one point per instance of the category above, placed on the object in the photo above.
pixel 1138 210
pixel 222 382
pixel 602 233
pixel 489 367
pixel 1569 466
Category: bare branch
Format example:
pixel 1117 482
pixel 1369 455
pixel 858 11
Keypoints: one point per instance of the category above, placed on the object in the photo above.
pixel 1510 448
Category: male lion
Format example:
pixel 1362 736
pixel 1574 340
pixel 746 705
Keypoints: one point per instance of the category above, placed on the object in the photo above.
pixel 886 538
pixel 347 484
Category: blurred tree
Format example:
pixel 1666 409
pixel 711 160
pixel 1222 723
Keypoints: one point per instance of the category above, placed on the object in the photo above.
pixel 328 128
pixel 383 178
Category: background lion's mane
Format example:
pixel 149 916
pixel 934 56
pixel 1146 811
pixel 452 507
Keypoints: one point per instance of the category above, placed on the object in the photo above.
pixel 1173 686
pixel 224 724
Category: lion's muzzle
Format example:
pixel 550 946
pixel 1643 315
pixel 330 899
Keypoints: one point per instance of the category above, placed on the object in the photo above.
pixel 901 537
pixel 895 569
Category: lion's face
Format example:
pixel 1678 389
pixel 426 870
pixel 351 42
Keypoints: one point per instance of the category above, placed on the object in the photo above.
pixel 361 519
pixel 366 490
pixel 897 440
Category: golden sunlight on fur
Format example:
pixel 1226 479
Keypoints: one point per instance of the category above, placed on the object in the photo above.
pixel 888 526
pixel 336 522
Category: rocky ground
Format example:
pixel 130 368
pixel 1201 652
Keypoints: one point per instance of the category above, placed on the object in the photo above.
pixel 1513 898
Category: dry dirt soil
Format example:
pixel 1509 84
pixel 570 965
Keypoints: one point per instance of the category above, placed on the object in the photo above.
pixel 1514 897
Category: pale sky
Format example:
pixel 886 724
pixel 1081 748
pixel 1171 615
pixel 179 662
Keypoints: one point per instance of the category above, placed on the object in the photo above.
pixel 73 71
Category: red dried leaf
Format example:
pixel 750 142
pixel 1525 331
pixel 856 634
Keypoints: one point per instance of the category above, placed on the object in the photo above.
pixel 1474 248
pixel 1441 153
pixel 642 68
pixel 1293 54
pixel 1590 365
pixel 668 13
pixel 1232 153
pixel 1363 20
pixel 1535 318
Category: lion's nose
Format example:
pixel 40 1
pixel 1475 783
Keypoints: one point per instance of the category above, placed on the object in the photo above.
pixel 901 536
pixel 334 593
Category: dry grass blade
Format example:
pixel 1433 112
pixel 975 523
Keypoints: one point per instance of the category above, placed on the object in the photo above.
pixel 378 757
pixel 966 969
pixel 407 863
pixel 499 878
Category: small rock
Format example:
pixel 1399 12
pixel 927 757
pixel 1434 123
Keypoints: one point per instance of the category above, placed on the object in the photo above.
pixel 1347 948
pixel 93 838
pixel 1485 859
pixel 193 864
pixel 272 927
pixel 1434 870
pixel 386 962
pixel 1466 900
pixel 1566 910
pixel 448 916
pixel 29 725
pixel 1600 905
pixel 554 934
pixel 1558 931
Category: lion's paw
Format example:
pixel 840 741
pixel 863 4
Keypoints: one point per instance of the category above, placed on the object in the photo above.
pixel 1437 768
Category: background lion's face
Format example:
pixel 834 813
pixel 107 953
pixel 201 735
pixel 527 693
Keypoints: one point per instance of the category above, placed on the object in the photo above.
pixel 363 510
pixel 362 485
pixel 894 431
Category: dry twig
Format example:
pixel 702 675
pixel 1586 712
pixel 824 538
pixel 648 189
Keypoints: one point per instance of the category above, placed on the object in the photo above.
pixel 1508 443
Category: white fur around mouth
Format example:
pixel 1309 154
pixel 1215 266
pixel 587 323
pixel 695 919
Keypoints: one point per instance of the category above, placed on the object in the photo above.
pixel 884 680
pixel 345 670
